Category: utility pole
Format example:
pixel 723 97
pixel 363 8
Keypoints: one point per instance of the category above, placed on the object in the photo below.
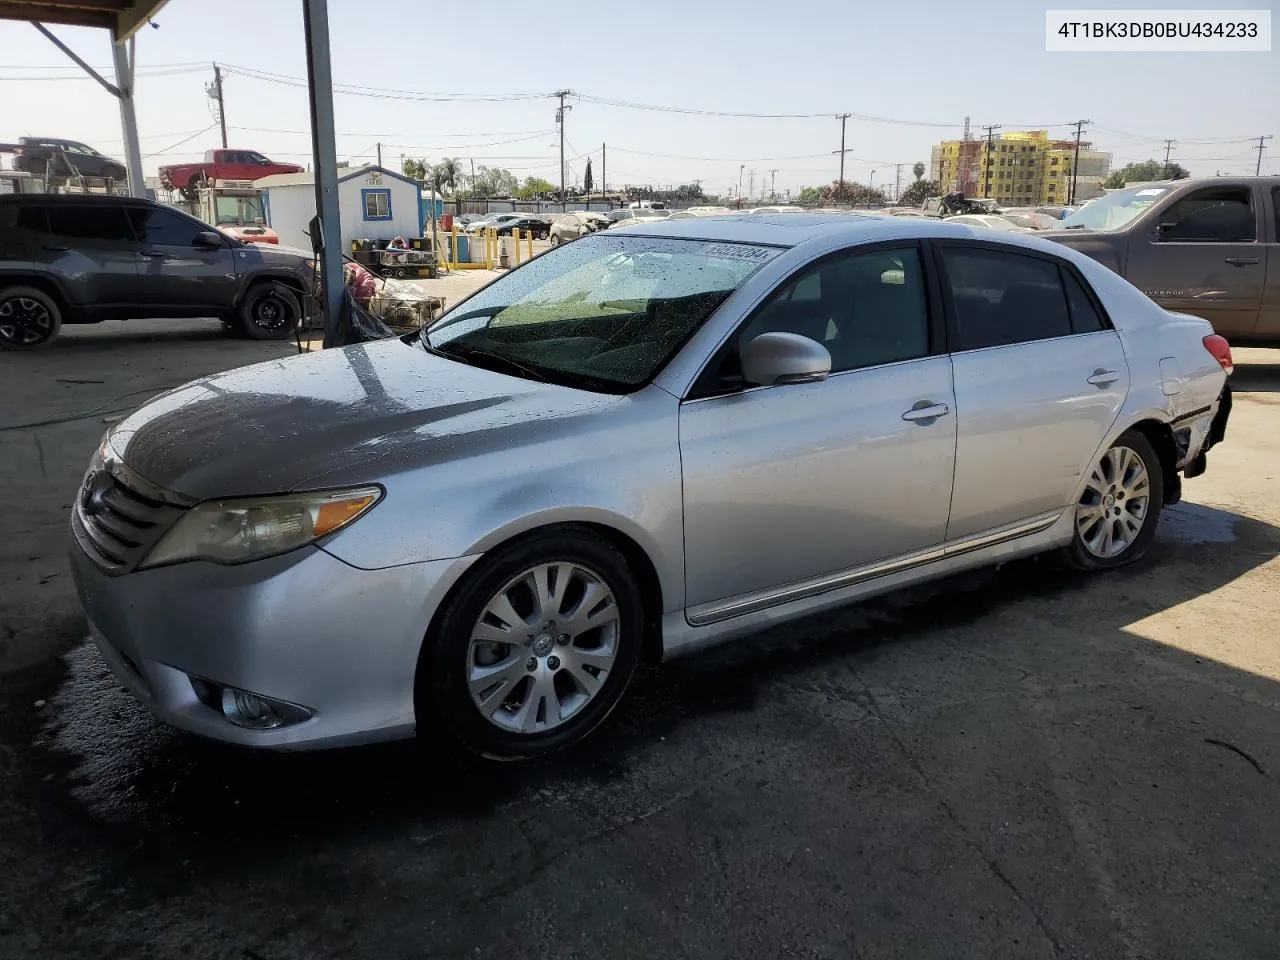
pixel 773 179
pixel 741 167
pixel 1262 145
pixel 991 159
pixel 560 122
pixel 1168 148
pixel 379 154
pixel 843 118
pixel 604 148
pixel 215 91
pixel 1075 163
pixel 473 180
pixel 751 185
pixel 897 182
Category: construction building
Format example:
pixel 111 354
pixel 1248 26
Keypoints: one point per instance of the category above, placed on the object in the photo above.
pixel 1019 168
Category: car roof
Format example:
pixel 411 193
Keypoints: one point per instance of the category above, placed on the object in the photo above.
pixel 789 230
pixel 47 199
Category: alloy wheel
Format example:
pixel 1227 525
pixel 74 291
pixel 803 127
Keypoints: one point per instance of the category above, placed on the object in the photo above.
pixel 543 647
pixel 1115 503
pixel 25 322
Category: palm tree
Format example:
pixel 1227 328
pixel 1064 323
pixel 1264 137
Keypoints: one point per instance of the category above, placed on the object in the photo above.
pixel 447 173
pixel 918 169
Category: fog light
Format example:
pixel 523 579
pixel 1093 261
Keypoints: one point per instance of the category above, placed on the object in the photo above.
pixel 245 709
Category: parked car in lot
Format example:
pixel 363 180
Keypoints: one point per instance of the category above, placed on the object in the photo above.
pixel 491 220
pixel 1028 219
pixel 67 258
pixel 577 224
pixel 1209 247
pixel 986 221
pixel 48 156
pixel 643 442
pixel 540 226
pixel 221 165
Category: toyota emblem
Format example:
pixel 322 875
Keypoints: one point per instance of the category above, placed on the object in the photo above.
pixel 92 493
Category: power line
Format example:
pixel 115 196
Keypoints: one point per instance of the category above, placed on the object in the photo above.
pixel 173 146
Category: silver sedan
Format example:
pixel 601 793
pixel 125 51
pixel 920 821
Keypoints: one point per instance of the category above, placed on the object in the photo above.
pixel 641 443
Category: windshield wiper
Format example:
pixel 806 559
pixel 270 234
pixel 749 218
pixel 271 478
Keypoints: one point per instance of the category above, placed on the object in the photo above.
pixel 479 357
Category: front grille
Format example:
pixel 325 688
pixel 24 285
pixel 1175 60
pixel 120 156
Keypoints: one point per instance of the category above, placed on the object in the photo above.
pixel 115 523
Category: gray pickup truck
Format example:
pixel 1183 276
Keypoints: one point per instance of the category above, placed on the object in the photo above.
pixel 1208 247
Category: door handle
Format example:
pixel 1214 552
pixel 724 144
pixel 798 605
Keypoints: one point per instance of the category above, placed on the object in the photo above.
pixel 931 411
pixel 160 254
pixel 1103 378
pixel 1242 261
pixel 55 249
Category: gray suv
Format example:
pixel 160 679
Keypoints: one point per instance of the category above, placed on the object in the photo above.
pixel 84 259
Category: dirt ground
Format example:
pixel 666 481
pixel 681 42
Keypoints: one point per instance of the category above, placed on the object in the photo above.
pixel 1016 763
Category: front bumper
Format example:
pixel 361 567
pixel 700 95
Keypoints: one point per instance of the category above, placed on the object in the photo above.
pixel 304 628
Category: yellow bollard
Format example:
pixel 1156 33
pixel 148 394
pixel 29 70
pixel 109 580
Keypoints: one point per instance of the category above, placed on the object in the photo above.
pixel 515 246
pixel 530 250
pixel 453 253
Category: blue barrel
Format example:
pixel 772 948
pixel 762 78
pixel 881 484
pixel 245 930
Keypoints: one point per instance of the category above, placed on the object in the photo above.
pixel 464 248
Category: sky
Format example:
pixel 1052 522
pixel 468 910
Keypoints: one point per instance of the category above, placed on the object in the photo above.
pixel 474 82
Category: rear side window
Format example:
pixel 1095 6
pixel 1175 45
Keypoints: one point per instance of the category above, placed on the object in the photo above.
pixel 104 222
pixel 1084 315
pixel 32 218
pixel 1212 215
pixel 164 228
pixel 1002 298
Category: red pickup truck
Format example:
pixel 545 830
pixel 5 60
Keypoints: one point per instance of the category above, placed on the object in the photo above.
pixel 221 165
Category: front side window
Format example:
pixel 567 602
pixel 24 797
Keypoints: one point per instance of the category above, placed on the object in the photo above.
pixel 1003 298
pixel 163 228
pixel 103 222
pixel 1213 215
pixel 377 204
pixel 866 308
pixel 605 313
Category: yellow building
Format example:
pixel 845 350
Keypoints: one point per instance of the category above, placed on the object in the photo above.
pixel 1019 168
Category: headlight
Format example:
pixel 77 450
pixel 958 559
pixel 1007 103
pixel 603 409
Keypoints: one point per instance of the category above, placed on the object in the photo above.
pixel 236 531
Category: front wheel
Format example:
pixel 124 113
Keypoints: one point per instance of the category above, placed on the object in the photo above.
pixel 536 647
pixel 270 311
pixel 29 319
pixel 1117 513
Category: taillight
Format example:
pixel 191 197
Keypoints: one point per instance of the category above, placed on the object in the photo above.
pixel 1221 351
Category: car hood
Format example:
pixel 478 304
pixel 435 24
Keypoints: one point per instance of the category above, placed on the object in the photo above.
pixel 336 417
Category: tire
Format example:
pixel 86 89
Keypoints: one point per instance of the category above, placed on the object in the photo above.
pixel 399 273
pixel 269 311
pixel 29 318
pixel 563 698
pixel 1111 530
pixel 555 240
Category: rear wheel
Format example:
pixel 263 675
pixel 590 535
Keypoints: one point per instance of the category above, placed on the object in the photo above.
pixel 29 318
pixel 1117 514
pixel 269 311
pixel 535 648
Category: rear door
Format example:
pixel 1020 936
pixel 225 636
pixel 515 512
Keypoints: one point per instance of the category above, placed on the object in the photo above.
pixel 1039 379
pixel 92 245
pixel 1203 256
pixel 174 273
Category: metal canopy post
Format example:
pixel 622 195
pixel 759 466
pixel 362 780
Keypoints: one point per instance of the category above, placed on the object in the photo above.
pixel 128 121
pixel 328 237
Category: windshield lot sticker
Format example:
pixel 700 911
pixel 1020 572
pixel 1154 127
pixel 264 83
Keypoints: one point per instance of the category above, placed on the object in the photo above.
pixel 739 251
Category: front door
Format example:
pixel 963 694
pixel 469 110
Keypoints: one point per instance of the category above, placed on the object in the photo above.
pixel 174 272
pixel 790 482
pixel 1204 258
pixel 1039 379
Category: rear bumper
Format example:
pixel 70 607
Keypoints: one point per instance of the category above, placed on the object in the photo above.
pixel 1204 434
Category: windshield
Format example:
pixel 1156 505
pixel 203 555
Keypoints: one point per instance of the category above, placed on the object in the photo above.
pixel 1113 211
pixel 604 313
pixel 238 210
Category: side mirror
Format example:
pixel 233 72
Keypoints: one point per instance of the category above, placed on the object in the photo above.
pixel 207 239
pixel 780 358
